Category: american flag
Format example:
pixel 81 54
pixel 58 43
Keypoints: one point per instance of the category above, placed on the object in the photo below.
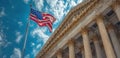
pixel 42 19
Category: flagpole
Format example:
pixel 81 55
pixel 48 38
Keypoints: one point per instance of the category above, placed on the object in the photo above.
pixel 26 35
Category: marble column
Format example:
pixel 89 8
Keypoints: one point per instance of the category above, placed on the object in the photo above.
pixel 116 8
pixel 86 43
pixel 59 54
pixel 71 49
pixel 105 38
pixel 114 40
pixel 97 47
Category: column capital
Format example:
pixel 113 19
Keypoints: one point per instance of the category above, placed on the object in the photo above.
pixel 86 43
pixel 59 54
pixel 59 50
pixel 71 41
pixel 99 18
pixel 84 30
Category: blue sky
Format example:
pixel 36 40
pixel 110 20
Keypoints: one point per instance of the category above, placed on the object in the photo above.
pixel 13 19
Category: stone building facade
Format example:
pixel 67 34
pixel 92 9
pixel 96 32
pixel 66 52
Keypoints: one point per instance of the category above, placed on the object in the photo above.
pixel 90 30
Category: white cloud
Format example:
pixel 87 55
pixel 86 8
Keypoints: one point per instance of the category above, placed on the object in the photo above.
pixel 16 53
pixel 39 4
pixel 12 6
pixel 4 56
pixel 20 23
pixel 51 3
pixel 38 46
pixel 32 44
pixel 58 7
pixel 2 12
pixel 27 56
pixel 19 37
pixel 72 3
pixel 7 43
pixel 0 38
pixel 79 1
pixel 26 1
pixel 36 50
pixel 53 29
pixel 1 41
pixel 40 32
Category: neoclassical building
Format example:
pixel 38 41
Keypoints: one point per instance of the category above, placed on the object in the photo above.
pixel 90 30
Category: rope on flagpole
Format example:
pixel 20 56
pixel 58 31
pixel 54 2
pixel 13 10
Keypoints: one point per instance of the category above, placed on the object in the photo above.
pixel 26 35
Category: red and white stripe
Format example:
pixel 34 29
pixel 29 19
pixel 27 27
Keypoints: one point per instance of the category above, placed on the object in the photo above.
pixel 46 21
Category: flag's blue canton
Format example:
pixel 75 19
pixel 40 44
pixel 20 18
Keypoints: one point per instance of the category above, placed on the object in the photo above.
pixel 37 14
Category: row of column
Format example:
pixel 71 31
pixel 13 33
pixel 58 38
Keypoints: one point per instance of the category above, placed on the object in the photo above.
pixel 109 50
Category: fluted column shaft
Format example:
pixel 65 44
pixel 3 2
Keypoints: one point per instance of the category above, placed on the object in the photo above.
pixel 105 38
pixel 59 55
pixel 86 43
pixel 114 40
pixel 97 47
pixel 71 49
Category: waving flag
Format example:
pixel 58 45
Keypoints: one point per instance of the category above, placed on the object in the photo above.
pixel 42 19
